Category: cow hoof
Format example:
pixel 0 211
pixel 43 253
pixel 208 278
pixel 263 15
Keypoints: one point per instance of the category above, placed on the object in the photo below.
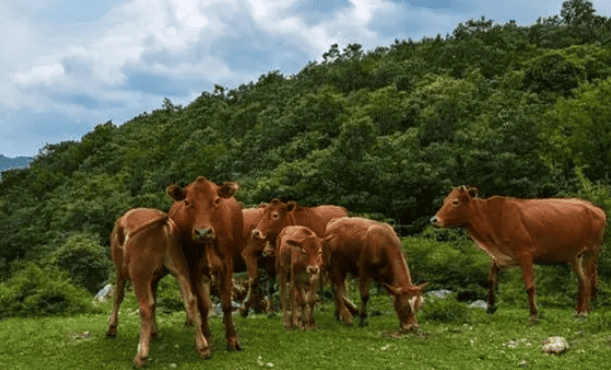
pixel 243 312
pixel 233 345
pixel 111 334
pixel 491 310
pixel 205 353
pixel 139 362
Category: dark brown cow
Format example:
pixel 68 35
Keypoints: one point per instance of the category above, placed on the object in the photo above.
pixel 210 224
pixel 143 243
pixel 298 265
pixel 370 250
pixel 520 232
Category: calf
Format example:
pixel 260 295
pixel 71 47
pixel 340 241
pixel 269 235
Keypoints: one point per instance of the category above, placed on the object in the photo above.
pixel 143 243
pixel 298 265
pixel 370 250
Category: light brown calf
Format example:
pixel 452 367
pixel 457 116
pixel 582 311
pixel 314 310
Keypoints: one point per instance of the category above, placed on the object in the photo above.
pixel 298 265
pixel 144 242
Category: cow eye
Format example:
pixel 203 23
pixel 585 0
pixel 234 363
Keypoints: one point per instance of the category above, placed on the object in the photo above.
pixel 455 202
pixel 187 204
pixel 275 216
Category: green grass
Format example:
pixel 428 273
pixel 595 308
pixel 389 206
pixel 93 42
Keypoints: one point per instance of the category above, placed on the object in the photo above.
pixel 50 343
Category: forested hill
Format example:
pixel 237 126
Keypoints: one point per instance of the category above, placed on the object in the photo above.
pixel 519 110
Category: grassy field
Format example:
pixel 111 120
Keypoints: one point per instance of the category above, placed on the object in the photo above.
pixel 475 341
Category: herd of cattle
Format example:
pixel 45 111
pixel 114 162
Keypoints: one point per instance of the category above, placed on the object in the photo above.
pixel 206 234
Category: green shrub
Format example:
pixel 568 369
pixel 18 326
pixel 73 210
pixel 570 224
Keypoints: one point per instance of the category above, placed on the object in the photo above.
pixel 446 310
pixel 168 296
pixel 33 291
pixel 85 260
pixel 448 265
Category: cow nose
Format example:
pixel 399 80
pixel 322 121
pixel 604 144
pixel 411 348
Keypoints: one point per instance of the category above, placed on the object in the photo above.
pixel 203 233
pixel 313 270
pixel 257 234
pixel 433 220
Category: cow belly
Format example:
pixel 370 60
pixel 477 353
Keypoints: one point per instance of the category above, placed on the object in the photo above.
pixel 502 260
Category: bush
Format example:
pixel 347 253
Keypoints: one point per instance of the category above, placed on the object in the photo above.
pixel 168 296
pixel 85 260
pixel 446 310
pixel 456 267
pixel 33 291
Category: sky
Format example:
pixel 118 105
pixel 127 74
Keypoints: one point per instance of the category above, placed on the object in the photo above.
pixel 66 66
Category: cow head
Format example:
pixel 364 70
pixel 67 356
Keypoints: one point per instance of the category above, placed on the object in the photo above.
pixel 199 207
pixel 276 216
pixel 453 213
pixel 407 301
pixel 307 252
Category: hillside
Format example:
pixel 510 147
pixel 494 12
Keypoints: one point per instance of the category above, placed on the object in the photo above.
pixel 519 110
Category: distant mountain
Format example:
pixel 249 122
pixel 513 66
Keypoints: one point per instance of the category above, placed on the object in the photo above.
pixel 7 163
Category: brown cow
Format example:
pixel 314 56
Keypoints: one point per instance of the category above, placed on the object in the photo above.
pixel 210 224
pixel 370 250
pixel 143 243
pixel 252 254
pixel 520 232
pixel 278 215
pixel 298 265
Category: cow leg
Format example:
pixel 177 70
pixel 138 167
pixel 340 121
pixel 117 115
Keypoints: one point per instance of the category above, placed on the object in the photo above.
pixel 177 265
pixel 493 273
pixel 200 282
pixel 118 296
pixel 284 291
pixel 250 258
pixel 583 291
pixel 528 276
pixel 338 281
pixel 364 289
pixel 233 343
pixel 142 289
pixel 311 296
pixel 299 305
pixel 154 329
pixel 590 263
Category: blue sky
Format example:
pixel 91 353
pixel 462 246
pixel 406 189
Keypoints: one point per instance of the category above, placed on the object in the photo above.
pixel 69 65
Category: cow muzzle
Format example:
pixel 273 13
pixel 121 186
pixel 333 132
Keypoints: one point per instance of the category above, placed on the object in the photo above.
pixel 258 234
pixel 202 235
pixel 313 270
pixel 436 222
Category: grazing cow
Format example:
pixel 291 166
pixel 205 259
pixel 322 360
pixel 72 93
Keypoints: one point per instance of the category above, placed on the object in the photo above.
pixel 520 232
pixel 143 243
pixel 278 215
pixel 370 250
pixel 298 265
pixel 210 224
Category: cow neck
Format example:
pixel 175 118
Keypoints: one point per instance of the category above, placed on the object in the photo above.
pixel 400 271
pixel 476 226
pixel 291 217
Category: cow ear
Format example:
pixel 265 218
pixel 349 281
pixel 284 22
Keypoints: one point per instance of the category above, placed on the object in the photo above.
pixel 175 192
pixel 228 189
pixel 392 290
pixel 291 205
pixel 327 238
pixel 473 190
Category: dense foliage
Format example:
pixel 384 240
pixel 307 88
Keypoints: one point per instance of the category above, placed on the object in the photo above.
pixel 519 110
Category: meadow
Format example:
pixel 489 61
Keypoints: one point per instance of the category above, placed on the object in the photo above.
pixel 451 336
